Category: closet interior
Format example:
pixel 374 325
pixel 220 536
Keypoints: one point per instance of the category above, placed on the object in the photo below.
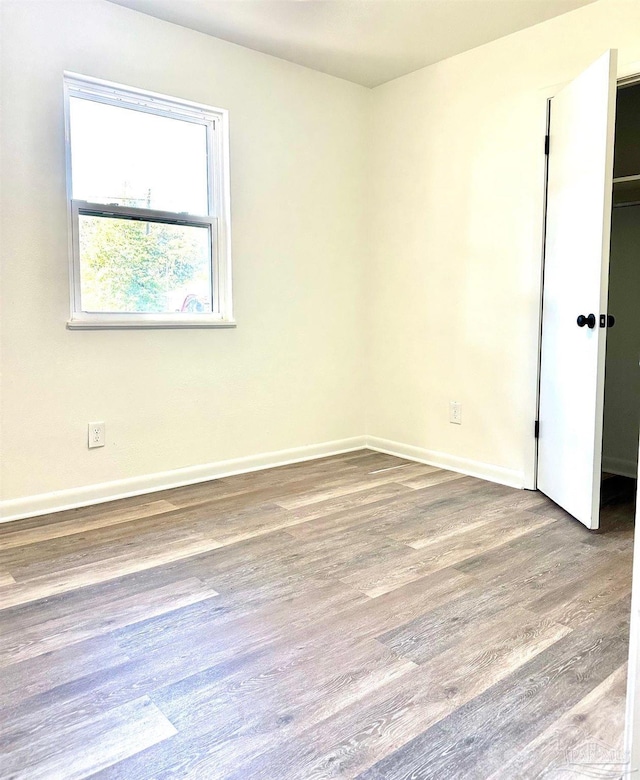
pixel 622 374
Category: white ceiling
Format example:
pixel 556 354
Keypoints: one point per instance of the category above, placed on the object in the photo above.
pixel 365 41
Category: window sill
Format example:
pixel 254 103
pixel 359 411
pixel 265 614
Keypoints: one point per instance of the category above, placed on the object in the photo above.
pixel 119 323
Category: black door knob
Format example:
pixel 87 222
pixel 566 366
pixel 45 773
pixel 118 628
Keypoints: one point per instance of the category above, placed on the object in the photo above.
pixel 590 321
pixel 607 320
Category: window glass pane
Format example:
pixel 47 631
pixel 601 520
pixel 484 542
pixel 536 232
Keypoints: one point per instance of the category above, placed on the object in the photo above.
pixel 135 266
pixel 132 158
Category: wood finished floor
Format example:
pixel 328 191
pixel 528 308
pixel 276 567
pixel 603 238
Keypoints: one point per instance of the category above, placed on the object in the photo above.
pixel 355 616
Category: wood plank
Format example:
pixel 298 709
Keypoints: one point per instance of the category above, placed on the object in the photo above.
pixel 222 732
pixel 21 681
pixel 448 624
pixel 430 531
pixel 80 746
pixel 583 599
pixel 345 505
pixel 345 486
pixel 344 670
pixel 284 482
pixel 136 538
pixel 79 514
pixel 98 617
pixel 107 517
pixel 399 517
pixel 585 740
pixel 479 737
pixel 435 477
pixel 542 553
pixel 344 745
pixel 46 586
pixel 263 626
pixel 383 577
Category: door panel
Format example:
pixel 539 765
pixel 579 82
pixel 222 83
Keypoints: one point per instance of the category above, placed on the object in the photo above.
pixel 576 282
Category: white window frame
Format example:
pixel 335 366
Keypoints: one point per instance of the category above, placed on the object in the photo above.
pixel 217 220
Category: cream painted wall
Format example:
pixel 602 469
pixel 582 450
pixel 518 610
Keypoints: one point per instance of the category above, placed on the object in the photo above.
pixel 291 374
pixel 453 266
pixel 422 198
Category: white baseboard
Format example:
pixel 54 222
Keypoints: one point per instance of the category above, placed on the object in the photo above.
pixel 45 503
pixel 58 501
pixel 621 466
pixel 443 460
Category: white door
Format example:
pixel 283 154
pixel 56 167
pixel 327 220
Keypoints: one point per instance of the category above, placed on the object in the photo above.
pixel 576 276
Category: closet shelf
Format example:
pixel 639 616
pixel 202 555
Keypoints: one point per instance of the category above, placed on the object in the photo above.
pixel 626 190
pixel 625 179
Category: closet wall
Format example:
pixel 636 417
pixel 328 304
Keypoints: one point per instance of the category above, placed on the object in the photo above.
pixel 622 384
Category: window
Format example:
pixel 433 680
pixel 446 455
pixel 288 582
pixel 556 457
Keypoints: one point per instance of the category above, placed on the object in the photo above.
pixel 148 189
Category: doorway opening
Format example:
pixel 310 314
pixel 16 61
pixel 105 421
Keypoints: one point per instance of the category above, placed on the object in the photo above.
pixel 622 371
pixel 590 341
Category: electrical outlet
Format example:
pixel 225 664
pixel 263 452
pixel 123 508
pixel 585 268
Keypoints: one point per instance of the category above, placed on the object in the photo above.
pixel 96 434
pixel 455 412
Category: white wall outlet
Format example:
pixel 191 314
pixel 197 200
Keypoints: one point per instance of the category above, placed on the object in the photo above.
pixel 455 412
pixel 96 434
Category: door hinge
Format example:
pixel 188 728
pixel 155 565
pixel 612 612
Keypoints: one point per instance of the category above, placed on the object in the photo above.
pixel 546 144
pixel 536 429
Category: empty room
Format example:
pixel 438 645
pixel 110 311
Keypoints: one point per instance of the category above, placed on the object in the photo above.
pixel 320 389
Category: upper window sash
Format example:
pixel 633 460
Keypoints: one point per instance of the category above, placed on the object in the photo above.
pixel 108 92
pixel 152 103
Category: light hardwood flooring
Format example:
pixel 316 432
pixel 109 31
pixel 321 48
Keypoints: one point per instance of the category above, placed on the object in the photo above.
pixel 354 616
